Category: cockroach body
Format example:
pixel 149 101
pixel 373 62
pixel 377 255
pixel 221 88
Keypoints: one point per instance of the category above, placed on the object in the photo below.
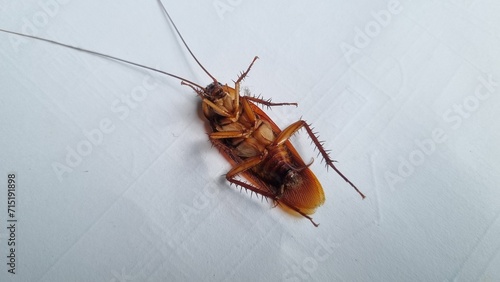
pixel 258 150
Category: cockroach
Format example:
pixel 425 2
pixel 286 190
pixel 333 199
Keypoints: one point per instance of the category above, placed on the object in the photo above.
pixel 258 150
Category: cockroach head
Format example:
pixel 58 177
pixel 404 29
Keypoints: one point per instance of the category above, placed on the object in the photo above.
pixel 214 91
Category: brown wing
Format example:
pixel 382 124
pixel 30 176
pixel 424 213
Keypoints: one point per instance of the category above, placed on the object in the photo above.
pixel 308 196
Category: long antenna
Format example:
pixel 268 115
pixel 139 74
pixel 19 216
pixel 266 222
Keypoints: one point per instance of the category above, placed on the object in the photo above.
pixel 184 42
pixel 105 56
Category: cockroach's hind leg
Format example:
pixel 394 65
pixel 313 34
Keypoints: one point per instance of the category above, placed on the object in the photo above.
pixel 299 212
pixel 270 196
pixel 253 189
pixel 275 203
pixel 327 158
pixel 244 166
pixel 293 128
pixel 312 221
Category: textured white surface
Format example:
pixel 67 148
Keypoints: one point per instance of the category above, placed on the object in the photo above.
pixel 405 93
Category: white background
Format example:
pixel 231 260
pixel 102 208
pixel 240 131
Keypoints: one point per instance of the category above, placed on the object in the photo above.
pixel 407 113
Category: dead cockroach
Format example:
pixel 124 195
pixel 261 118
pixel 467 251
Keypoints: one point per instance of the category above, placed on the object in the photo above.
pixel 257 148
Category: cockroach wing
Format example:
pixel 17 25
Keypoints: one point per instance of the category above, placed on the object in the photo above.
pixel 306 197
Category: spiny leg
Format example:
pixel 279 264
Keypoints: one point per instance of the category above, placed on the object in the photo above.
pixel 255 99
pixel 294 127
pixel 248 164
pixel 244 166
pixel 236 101
pixel 270 196
pixel 299 212
pixel 268 103
pixel 245 73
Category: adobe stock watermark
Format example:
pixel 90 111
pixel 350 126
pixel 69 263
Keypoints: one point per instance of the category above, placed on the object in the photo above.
pixel 32 25
pixel 455 117
pixel 224 6
pixel 324 249
pixel 364 36
pixel 76 154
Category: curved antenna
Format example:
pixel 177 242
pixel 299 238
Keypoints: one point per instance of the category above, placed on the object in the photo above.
pixel 105 56
pixel 184 42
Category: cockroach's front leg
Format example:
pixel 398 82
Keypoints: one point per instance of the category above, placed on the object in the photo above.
pixel 267 103
pixel 236 102
pixel 245 73
pixel 294 127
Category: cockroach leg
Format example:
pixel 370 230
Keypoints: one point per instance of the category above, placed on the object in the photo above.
pixel 245 73
pixel 230 176
pixel 238 81
pixel 246 165
pixel 227 134
pixel 219 110
pixel 248 111
pixel 299 212
pixel 268 103
pixel 293 128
